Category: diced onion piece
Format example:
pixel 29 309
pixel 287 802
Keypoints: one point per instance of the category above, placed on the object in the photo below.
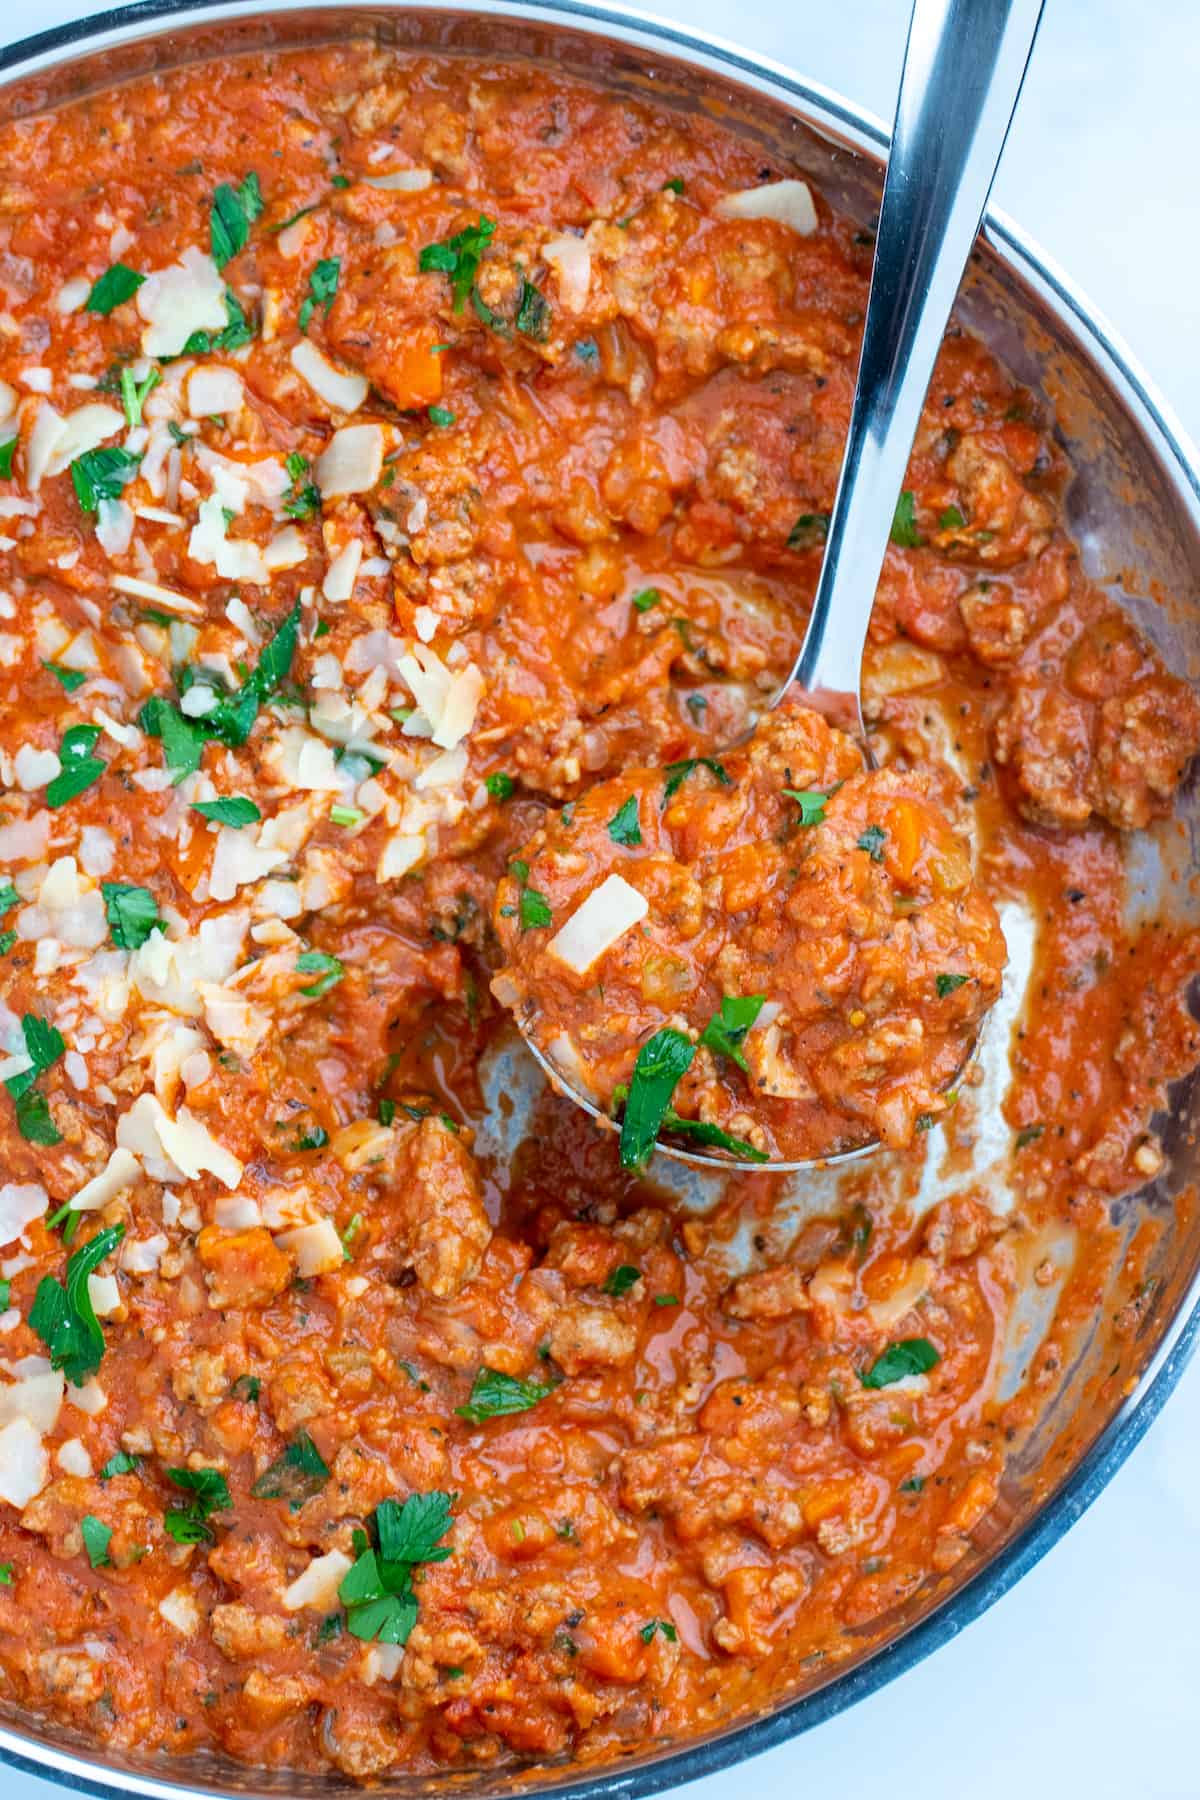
pixel 189 296
pixel 402 181
pixel 179 1609
pixel 788 202
pixel 104 1294
pixel 571 261
pixel 317 1248
pixel 351 462
pixel 402 852
pixel 24 1465
pixel 317 1586
pixel 73 1459
pixel 341 389
pixel 213 390
pixel 601 921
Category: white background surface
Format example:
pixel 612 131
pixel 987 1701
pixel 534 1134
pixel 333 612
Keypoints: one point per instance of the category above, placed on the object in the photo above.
pixel 1083 1681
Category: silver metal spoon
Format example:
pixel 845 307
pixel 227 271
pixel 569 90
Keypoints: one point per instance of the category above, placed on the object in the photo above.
pixel 964 65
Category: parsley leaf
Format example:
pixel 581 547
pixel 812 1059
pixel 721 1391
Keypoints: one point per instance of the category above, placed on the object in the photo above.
pixel 232 719
pixel 319 962
pixel 678 772
pixel 951 520
pixel 134 394
pixel 495 1395
pixel 439 415
pixel 132 914
pixel 69 679
pixel 811 804
pixel 7 451
pixel 872 841
pixel 234 210
pixel 236 332
pixel 64 1317
pixel 459 258
pixel 499 785
pixel 911 1356
pixel 713 1136
pixel 946 984
pixel 9 897
pixel 624 827
pixel 96 1538
pixel 377 1591
pixel 79 767
pixel 34 1121
pixel 117 284
pixel 322 287
pixel 533 312
pixel 645 598
pixel 664 1625
pixel 295 1476
pixel 230 809
pixel 809 529
pixel 662 1060
pixel 101 474
pixel 6 1574
pixel 726 1029
pixel 43 1045
pixel 209 1493
pixel 534 909
pixel 904 522
pixel 305 497
pixel 120 1463
pixel 621 1280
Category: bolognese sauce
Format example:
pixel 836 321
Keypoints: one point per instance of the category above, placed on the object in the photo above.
pixel 395 451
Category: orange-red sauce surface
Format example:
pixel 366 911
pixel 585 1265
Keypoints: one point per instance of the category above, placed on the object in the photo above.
pixel 289 536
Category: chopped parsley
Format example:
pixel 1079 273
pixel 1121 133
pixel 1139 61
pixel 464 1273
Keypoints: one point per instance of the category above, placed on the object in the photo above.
pixel 295 1476
pixel 208 1492
pixel 872 841
pixel 115 286
pixel 322 288
pixel 662 1061
pixel 7 451
pixel 439 415
pixel 621 1280
pixel 34 1120
pixel 647 1632
pixel 43 1045
pixel 5 1293
pixel 534 909
pixel 101 474
pixel 726 1029
pixel 64 1317
pixel 713 1136
pixel 328 968
pixel 247 1388
pixel 624 827
pixel 911 1356
pixel 811 804
pixel 495 1395
pixel 6 1574
pixel 234 210
pixel 459 258
pixel 809 529
pixel 674 185
pixel 132 914
pixel 377 1592
pixel 645 598
pixel 499 785
pixel 946 984
pixel 533 312
pixel 230 809
pixel 1029 1134
pixel 904 522
pixel 68 679
pixel 97 1536
pixel 951 520
pixel 120 1463
pixel 304 498
pixel 678 772
pixel 9 897
pixel 316 1139
pixel 231 720
pixel 237 331
pixel 79 767
pixel 134 394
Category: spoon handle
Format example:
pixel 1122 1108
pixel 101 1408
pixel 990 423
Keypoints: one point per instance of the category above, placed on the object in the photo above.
pixel 963 69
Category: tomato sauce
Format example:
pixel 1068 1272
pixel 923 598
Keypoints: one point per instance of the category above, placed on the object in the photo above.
pixel 349 1417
